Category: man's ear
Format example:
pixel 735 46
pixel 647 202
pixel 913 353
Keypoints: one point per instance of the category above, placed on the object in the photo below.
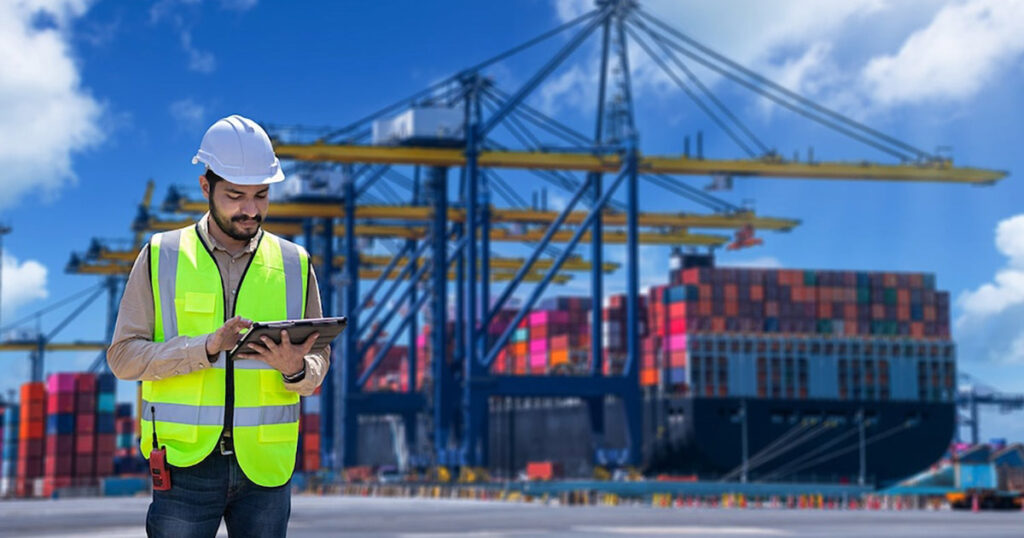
pixel 204 184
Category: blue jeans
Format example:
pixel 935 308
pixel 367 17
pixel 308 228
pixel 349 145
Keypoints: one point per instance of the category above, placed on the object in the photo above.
pixel 214 488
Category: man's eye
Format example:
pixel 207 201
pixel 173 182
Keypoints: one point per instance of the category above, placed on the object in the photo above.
pixel 261 196
pixel 234 197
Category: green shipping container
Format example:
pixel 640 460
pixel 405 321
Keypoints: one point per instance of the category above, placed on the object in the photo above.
pixel 863 295
pixel 890 296
pixel 809 279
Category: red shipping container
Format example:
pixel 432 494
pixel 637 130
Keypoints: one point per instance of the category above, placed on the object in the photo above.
pixel 106 443
pixel 311 423
pixel 104 466
pixel 85 465
pixel 60 402
pixel 85 382
pixel 59 464
pixel 59 444
pixel 32 430
pixel 34 392
pixel 85 402
pixel 85 423
pixel 544 470
pixel 85 444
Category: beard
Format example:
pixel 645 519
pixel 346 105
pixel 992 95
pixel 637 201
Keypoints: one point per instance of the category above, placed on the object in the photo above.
pixel 231 226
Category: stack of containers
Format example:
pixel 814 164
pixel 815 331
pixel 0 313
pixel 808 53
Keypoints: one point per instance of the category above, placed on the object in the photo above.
pixel 9 456
pixel 32 440
pixel 85 429
pixel 543 325
pixel 61 424
pixel 837 303
pixel 308 455
pixel 569 347
pixel 106 430
pixel 126 456
pixel 614 331
pixel 516 355
pixel 664 349
pixel 386 375
pixel 504 362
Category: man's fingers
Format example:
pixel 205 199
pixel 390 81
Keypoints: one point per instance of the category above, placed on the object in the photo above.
pixel 310 341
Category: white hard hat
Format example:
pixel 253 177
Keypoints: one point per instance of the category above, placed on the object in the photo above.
pixel 238 150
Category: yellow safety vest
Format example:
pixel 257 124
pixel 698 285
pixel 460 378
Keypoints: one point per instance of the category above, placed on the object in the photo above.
pixel 188 299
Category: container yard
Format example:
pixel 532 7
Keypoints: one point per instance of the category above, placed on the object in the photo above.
pixel 517 361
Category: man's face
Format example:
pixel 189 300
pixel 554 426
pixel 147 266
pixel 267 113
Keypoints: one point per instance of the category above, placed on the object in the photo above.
pixel 237 209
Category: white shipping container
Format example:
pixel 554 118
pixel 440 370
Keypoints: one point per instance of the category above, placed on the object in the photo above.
pixel 440 124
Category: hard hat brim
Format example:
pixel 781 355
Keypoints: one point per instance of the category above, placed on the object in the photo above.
pixel 231 177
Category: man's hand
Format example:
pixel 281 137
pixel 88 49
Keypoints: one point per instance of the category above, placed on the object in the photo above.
pixel 225 338
pixel 285 357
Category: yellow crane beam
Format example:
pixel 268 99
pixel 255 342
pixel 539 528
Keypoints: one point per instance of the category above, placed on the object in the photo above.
pixel 29 345
pixel 942 171
pixel 499 275
pixel 497 263
pixel 572 264
pixel 297 210
pixel 674 237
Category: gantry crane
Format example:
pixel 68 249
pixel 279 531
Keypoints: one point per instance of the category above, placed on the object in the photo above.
pixel 480 153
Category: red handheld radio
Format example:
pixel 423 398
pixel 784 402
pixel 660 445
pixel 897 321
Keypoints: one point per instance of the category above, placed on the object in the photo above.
pixel 158 461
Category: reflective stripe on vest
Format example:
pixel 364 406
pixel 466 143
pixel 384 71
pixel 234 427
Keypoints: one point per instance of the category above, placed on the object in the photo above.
pixel 188 297
pixel 213 415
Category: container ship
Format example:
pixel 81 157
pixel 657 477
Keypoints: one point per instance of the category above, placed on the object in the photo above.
pixel 838 376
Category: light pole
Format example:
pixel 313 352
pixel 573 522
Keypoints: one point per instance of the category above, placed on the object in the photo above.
pixel 4 230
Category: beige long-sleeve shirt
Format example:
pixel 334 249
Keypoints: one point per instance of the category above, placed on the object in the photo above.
pixel 133 356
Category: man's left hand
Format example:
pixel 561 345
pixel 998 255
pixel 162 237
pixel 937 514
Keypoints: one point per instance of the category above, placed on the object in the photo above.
pixel 286 357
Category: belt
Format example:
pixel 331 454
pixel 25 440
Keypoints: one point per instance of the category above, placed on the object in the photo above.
pixel 227 446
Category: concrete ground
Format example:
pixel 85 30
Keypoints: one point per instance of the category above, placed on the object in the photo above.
pixel 419 518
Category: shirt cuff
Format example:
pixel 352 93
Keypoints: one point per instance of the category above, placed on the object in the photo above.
pixel 195 351
pixel 306 385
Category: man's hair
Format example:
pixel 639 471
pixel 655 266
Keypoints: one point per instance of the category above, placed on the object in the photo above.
pixel 212 178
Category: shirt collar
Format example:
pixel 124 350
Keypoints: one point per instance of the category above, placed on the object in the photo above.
pixel 204 231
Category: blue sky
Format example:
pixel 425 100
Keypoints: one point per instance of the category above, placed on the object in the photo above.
pixel 99 96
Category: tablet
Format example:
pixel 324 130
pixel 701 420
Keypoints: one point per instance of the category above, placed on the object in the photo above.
pixel 298 331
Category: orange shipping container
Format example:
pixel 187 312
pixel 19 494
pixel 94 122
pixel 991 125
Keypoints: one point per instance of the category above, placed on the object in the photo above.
pixel 677 310
pixel 903 297
pixel 757 292
pixel 850 312
pixel 648 377
pixel 731 309
pixel 559 356
pixel 824 310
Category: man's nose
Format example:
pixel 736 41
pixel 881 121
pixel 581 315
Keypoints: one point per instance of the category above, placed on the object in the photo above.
pixel 249 208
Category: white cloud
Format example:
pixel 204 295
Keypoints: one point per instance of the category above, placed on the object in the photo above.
pixel 762 262
pixel 918 50
pixel 24 282
pixel 992 315
pixel 46 115
pixel 1007 286
pixel 959 53
pixel 198 60
pixel 188 113
pixel 179 13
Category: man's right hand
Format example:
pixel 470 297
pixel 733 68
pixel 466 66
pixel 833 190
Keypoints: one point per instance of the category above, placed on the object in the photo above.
pixel 225 338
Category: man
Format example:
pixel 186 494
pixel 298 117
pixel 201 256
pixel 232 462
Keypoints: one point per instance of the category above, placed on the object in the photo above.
pixel 229 427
